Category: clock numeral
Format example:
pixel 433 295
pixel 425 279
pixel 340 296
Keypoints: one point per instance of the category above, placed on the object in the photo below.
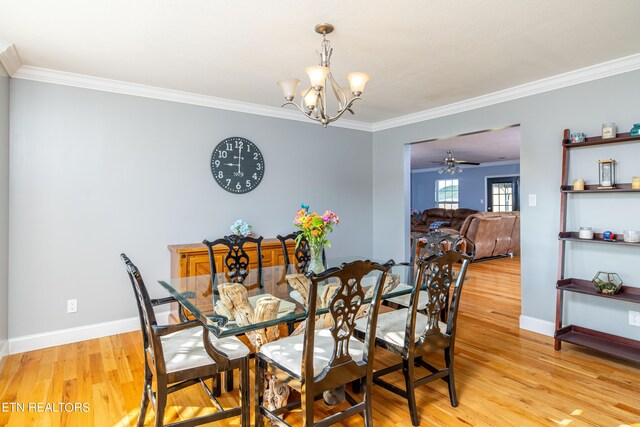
pixel 259 166
pixel 223 154
pixel 229 146
pixel 238 186
pixel 254 176
pixel 228 182
pixel 239 144
pixel 248 184
pixel 255 156
pixel 220 175
pixel 217 163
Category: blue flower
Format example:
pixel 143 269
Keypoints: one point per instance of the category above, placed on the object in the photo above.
pixel 241 228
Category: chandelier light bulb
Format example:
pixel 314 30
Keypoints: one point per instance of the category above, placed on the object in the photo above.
pixel 357 82
pixel 317 76
pixel 289 87
pixel 310 97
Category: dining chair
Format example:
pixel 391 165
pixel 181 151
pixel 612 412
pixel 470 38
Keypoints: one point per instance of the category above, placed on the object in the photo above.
pixel 184 354
pixel 325 359
pixel 411 334
pixel 302 255
pixel 424 245
pixel 302 252
pixel 237 262
pixel 237 258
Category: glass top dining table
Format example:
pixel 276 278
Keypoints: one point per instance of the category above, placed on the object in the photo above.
pixel 200 297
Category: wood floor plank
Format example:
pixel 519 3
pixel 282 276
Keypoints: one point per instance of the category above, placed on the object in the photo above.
pixel 505 376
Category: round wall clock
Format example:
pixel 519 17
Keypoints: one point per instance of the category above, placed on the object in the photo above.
pixel 237 165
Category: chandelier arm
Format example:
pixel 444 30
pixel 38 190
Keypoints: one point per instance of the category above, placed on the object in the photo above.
pixel 337 92
pixel 306 112
pixel 341 112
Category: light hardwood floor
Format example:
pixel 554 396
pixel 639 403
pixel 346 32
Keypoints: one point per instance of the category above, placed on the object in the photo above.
pixel 505 376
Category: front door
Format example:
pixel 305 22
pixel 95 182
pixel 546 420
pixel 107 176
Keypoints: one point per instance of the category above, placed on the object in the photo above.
pixel 503 194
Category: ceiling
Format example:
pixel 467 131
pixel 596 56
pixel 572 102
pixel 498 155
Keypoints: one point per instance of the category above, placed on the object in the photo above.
pixel 501 145
pixel 421 54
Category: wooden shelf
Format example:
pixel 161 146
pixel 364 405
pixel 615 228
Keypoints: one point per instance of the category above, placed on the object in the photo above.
pixel 593 188
pixel 623 348
pixel 572 236
pixel 597 140
pixel 626 293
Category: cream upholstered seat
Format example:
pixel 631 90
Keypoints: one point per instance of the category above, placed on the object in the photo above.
pixel 392 325
pixel 287 352
pixel 185 349
pixel 403 300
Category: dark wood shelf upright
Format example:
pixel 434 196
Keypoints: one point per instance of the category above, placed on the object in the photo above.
pixel 615 345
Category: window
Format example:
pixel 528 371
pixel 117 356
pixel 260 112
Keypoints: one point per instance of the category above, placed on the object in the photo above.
pixel 447 193
pixel 502 197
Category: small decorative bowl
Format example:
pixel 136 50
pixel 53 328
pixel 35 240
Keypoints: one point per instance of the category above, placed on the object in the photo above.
pixel 607 283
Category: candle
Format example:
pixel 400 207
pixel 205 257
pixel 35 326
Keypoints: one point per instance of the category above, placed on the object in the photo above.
pixel 578 184
pixel 609 130
pixel 635 182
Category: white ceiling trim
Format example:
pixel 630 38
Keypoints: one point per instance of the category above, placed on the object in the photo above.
pixel 582 75
pixel 462 166
pixel 594 72
pixel 9 58
pixel 27 72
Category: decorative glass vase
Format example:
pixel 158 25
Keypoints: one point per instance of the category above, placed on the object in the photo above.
pixel 315 263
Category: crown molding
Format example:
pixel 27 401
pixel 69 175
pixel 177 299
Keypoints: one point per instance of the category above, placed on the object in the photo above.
pixel 9 58
pixel 582 75
pixel 28 72
pixel 11 61
pixel 463 166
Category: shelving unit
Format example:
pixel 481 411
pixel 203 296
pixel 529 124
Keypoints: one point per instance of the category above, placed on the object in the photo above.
pixel 624 348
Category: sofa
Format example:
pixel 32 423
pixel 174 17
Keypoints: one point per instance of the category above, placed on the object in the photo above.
pixel 455 218
pixel 492 233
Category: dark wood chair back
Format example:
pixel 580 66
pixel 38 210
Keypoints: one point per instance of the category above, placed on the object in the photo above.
pixel 343 308
pixel 237 259
pixel 302 252
pixel 435 275
pixel 154 356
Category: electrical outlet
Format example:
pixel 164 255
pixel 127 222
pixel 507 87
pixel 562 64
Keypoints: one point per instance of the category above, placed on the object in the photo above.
pixel 634 318
pixel 72 306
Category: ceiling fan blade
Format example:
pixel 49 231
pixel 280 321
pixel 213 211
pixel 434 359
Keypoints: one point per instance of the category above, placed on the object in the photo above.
pixel 464 162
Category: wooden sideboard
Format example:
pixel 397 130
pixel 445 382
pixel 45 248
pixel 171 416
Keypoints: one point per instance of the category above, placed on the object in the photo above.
pixel 192 259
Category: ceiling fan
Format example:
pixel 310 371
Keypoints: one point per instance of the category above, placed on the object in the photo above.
pixel 450 164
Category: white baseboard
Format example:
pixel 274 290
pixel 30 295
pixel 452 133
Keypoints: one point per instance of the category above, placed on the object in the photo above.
pixel 539 326
pixel 4 348
pixel 81 333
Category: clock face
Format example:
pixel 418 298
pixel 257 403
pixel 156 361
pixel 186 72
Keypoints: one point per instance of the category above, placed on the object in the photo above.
pixel 237 165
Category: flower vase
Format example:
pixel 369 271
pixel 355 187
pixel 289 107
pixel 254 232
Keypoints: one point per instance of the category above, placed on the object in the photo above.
pixel 315 262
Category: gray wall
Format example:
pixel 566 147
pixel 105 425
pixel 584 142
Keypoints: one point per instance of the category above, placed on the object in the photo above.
pixel 542 118
pixel 471 186
pixel 94 174
pixel 4 205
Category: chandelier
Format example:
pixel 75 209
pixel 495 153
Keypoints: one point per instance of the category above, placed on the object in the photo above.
pixel 314 99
